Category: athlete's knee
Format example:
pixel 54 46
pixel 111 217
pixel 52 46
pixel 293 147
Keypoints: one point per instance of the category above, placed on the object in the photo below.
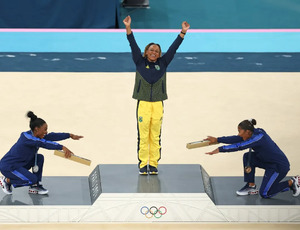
pixel 263 193
pixel 3 172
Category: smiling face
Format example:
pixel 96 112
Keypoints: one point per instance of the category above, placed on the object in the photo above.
pixel 245 134
pixel 41 131
pixel 153 53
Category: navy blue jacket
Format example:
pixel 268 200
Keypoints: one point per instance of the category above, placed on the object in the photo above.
pixel 265 149
pixel 151 74
pixel 23 152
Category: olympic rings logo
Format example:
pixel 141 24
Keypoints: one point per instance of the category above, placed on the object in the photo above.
pixel 153 211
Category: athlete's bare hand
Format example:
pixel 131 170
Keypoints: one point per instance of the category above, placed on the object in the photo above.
pixel 213 152
pixel 185 26
pixel 212 140
pixel 67 152
pixel 75 137
pixel 127 21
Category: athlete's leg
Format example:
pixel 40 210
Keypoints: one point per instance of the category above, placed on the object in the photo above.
pixel 271 184
pixel 20 177
pixel 143 125
pixel 155 133
pixel 250 159
pixel 40 164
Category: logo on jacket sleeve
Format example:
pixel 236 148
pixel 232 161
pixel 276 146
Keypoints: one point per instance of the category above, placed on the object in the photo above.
pixel 140 119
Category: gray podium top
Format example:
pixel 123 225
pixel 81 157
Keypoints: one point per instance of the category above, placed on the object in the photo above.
pixel 62 191
pixel 171 179
pixel 124 178
pixel 224 189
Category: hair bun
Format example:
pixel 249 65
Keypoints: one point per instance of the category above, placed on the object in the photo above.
pixel 31 115
pixel 252 121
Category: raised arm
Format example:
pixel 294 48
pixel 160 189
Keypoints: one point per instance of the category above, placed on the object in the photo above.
pixel 135 50
pixel 127 23
pixel 169 55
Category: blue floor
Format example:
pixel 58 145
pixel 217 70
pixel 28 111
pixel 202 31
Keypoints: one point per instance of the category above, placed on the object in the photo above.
pixel 122 62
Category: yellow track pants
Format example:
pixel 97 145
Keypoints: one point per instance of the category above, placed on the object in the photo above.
pixel 149 121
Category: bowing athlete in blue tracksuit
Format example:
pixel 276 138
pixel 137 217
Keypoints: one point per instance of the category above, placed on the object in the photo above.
pixel 265 154
pixel 23 155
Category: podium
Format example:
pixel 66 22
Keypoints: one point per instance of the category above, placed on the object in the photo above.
pixel 117 193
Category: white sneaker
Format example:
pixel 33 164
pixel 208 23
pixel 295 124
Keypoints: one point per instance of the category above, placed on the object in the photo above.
pixel 5 186
pixel 296 185
pixel 37 189
pixel 247 190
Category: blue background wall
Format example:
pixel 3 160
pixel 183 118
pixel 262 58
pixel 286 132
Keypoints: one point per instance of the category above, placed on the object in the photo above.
pixel 162 14
pixel 217 14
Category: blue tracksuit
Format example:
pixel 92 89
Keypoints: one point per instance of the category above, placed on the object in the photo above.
pixel 21 157
pixel 266 155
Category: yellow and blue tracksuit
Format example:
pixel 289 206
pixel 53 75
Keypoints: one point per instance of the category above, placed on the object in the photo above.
pixel 23 155
pixel 150 90
pixel 267 155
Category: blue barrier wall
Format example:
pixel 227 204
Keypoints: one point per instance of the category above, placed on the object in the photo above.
pixel 59 14
pixel 217 14
pixel 117 42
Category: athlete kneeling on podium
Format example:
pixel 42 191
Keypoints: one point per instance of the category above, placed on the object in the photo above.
pixel 266 155
pixel 15 165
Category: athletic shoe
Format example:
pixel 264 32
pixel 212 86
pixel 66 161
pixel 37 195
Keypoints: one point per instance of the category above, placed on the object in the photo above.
pixel 37 189
pixel 247 190
pixel 5 186
pixel 296 185
pixel 143 171
pixel 153 170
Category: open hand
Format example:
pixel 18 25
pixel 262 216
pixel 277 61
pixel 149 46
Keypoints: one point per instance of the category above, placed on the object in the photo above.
pixel 75 137
pixel 213 152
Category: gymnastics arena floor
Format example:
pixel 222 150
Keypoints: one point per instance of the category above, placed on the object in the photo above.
pixel 74 95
